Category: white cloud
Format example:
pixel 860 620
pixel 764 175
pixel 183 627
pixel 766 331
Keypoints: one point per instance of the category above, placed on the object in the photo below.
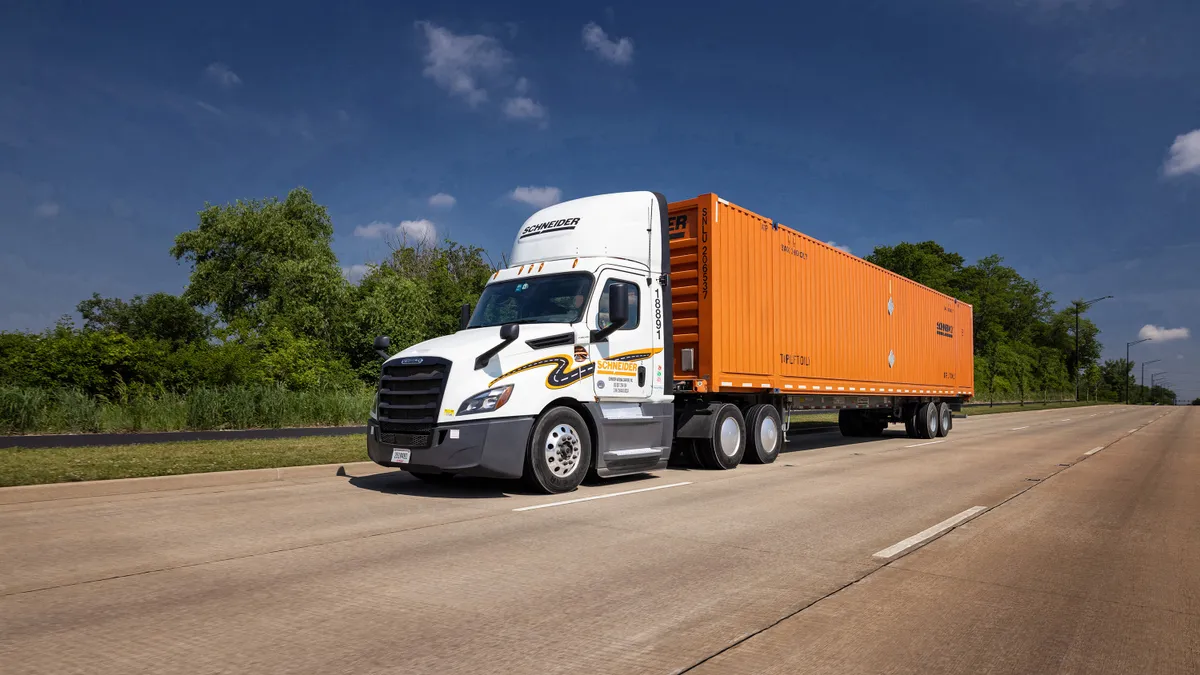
pixel 46 210
pixel 210 108
pixel 458 62
pixel 596 40
pixel 1185 155
pixel 840 247
pixel 1179 356
pixel 540 197
pixel 220 75
pixel 417 230
pixel 522 86
pixel 442 201
pixel 523 108
pixel 355 273
pixel 343 116
pixel 1161 334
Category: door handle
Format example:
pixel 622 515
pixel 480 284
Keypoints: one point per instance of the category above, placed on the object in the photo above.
pixel 641 376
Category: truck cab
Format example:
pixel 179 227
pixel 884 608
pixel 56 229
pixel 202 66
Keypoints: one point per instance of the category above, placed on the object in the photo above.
pixel 564 368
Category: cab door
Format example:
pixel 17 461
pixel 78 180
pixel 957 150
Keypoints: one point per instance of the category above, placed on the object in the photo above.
pixel 624 361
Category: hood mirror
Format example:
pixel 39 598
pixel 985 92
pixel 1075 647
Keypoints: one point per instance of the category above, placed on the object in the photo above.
pixel 382 343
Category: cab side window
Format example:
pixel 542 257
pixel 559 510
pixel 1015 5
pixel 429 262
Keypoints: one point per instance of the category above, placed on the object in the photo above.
pixel 635 314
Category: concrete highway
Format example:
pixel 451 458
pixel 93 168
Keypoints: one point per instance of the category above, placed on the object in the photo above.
pixel 1005 548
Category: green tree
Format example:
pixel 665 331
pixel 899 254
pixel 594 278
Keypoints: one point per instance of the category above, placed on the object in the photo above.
pixel 925 263
pixel 160 316
pixel 263 263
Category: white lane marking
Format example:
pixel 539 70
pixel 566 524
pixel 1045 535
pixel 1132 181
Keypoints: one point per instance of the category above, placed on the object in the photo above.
pixel 1132 430
pixel 611 494
pixel 1094 451
pixel 925 535
pixel 920 444
pixel 1066 420
pixel 1092 415
pixel 1019 428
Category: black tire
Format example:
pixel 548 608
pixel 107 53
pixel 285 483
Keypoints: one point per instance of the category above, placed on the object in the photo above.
pixel 927 420
pixel 873 426
pixel 849 423
pixel 729 429
pixel 945 419
pixel 559 452
pixel 435 477
pixel 765 432
pixel 910 421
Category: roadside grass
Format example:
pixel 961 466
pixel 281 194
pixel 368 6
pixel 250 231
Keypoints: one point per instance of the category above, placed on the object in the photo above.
pixel 1016 407
pixel 29 466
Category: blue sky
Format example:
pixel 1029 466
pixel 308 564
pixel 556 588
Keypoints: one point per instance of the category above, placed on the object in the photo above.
pixel 1052 132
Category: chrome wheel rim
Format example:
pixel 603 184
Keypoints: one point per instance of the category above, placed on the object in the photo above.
pixel 563 449
pixel 730 436
pixel 768 434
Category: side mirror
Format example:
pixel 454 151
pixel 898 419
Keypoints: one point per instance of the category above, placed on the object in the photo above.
pixel 618 311
pixel 508 333
pixel 381 346
pixel 464 316
pixel 618 304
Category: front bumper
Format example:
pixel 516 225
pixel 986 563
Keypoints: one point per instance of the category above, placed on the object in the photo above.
pixel 494 448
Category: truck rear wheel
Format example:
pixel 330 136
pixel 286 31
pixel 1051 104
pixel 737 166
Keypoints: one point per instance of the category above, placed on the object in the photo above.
pixel 945 419
pixel 726 445
pixel 927 420
pixel 849 423
pixel 764 430
pixel 559 452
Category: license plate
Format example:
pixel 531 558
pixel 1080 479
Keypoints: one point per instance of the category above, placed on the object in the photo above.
pixel 401 455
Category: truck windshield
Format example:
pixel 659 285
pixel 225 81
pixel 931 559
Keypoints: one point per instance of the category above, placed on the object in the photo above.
pixel 554 298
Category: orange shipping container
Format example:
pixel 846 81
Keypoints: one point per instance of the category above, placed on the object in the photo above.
pixel 765 307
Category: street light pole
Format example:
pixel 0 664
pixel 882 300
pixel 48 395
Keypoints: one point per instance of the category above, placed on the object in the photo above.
pixel 1127 365
pixel 1142 393
pixel 1154 376
pixel 1080 306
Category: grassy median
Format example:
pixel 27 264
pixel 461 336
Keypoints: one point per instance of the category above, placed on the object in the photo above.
pixel 28 466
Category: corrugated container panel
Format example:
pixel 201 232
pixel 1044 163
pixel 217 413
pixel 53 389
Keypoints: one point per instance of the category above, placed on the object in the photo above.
pixel 766 306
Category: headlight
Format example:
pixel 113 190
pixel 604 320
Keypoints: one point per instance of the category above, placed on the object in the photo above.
pixel 486 401
pixel 375 407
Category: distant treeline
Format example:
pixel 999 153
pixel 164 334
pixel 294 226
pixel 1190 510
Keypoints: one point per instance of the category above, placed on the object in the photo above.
pixel 267 307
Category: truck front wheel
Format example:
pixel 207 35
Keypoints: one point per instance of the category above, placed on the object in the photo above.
pixel 559 452
pixel 726 445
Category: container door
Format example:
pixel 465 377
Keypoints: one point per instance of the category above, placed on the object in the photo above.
pixel 624 363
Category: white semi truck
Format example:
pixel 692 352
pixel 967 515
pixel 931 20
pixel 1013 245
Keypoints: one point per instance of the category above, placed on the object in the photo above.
pixel 572 362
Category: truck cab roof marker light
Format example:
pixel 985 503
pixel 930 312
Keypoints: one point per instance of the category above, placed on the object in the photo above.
pixel 575 263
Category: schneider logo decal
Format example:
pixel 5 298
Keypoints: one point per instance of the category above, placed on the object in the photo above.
pixel 945 330
pixel 563 376
pixel 549 226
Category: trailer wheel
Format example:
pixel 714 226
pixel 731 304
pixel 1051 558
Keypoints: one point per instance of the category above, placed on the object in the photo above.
pixel 765 432
pixel 927 420
pixel 910 421
pixel 726 446
pixel 945 419
pixel 849 423
pixel 559 452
